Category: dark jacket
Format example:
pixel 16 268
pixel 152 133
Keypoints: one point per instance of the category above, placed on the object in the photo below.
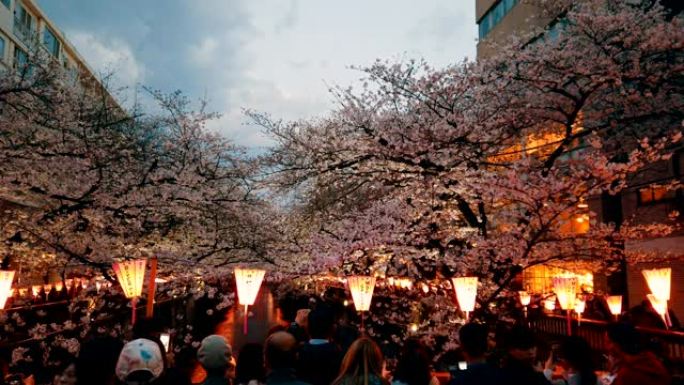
pixel 518 373
pixel 641 369
pixel 319 364
pixel 215 380
pixel 283 377
pixel 477 374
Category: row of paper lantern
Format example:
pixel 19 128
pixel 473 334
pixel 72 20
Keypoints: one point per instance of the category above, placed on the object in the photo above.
pixel 565 288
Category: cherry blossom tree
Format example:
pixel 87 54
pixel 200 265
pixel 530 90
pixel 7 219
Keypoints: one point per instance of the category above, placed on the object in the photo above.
pixel 91 181
pixel 482 168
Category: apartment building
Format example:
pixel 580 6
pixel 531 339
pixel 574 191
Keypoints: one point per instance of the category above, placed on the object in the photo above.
pixel 645 201
pixel 25 29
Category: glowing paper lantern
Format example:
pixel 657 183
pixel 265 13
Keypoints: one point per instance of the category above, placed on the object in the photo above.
pixel 361 288
pixel 525 298
pixel 6 278
pixel 84 283
pixel 550 304
pixel 466 293
pixel 59 286
pixel 48 288
pixel 131 275
pixel 580 306
pixel 566 291
pixel 35 290
pixel 660 307
pixel 248 282
pixel 614 305
pixel 658 281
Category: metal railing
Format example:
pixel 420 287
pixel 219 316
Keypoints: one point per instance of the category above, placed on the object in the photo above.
pixel 671 342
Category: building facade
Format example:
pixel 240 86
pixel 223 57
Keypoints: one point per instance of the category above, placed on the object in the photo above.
pixel 25 29
pixel 644 201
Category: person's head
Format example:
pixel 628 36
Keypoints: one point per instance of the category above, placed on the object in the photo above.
pixel 321 322
pixel 96 362
pixel 140 362
pixel 214 354
pixel 67 376
pixel 623 339
pixel 473 339
pixel 250 364
pixel 577 354
pixel 280 351
pixel 363 359
pixel 148 328
pixel 521 345
pixel 413 367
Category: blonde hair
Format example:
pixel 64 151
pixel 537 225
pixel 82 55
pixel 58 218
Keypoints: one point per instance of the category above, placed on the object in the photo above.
pixel 363 360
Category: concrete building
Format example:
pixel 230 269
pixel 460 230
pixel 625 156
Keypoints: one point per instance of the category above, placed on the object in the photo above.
pixel 24 29
pixel 644 201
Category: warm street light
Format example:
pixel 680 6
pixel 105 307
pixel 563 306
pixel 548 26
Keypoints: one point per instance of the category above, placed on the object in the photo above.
pixel 466 293
pixel 131 276
pixel 361 288
pixel 614 305
pixel 566 291
pixel 6 278
pixel 248 282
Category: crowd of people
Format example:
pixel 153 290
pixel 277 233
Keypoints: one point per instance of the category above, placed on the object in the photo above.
pixel 312 351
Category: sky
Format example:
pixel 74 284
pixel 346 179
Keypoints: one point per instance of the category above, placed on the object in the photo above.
pixel 273 56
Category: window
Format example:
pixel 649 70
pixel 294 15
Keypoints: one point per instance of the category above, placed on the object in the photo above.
pixel 51 42
pixel 494 16
pixel 653 194
pixel 20 59
pixel 23 24
pixel 7 3
pixel 2 48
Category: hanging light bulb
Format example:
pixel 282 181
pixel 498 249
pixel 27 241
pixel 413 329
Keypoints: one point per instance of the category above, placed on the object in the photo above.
pixel 614 305
pixel 6 278
pixel 248 282
pixel 466 293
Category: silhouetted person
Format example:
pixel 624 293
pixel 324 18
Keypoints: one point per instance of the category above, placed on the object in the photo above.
pixel 280 354
pixel 319 357
pixel 215 354
pixel 362 365
pixel 634 365
pixel 414 366
pixel 250 365
pixel 96 362
pixel 576 357
pixel 521 354
pixel 474 341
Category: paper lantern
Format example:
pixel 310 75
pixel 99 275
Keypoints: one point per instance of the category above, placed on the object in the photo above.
pixel 84 283
pixel 6 278
pixel 48 288
pixel 361 288
pixel 23 291
pixel 131 276
pixel 98 285
pixel 614 305
pixel 550 304
pixel 658 281
pixel 659 306
pixel 566 291
pixel 35 290
pixel 248 282
pixel 580 306
pixel 525 298
pixel 59 286
pixel 466 293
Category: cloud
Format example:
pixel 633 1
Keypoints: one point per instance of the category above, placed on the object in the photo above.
pixel 109 55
